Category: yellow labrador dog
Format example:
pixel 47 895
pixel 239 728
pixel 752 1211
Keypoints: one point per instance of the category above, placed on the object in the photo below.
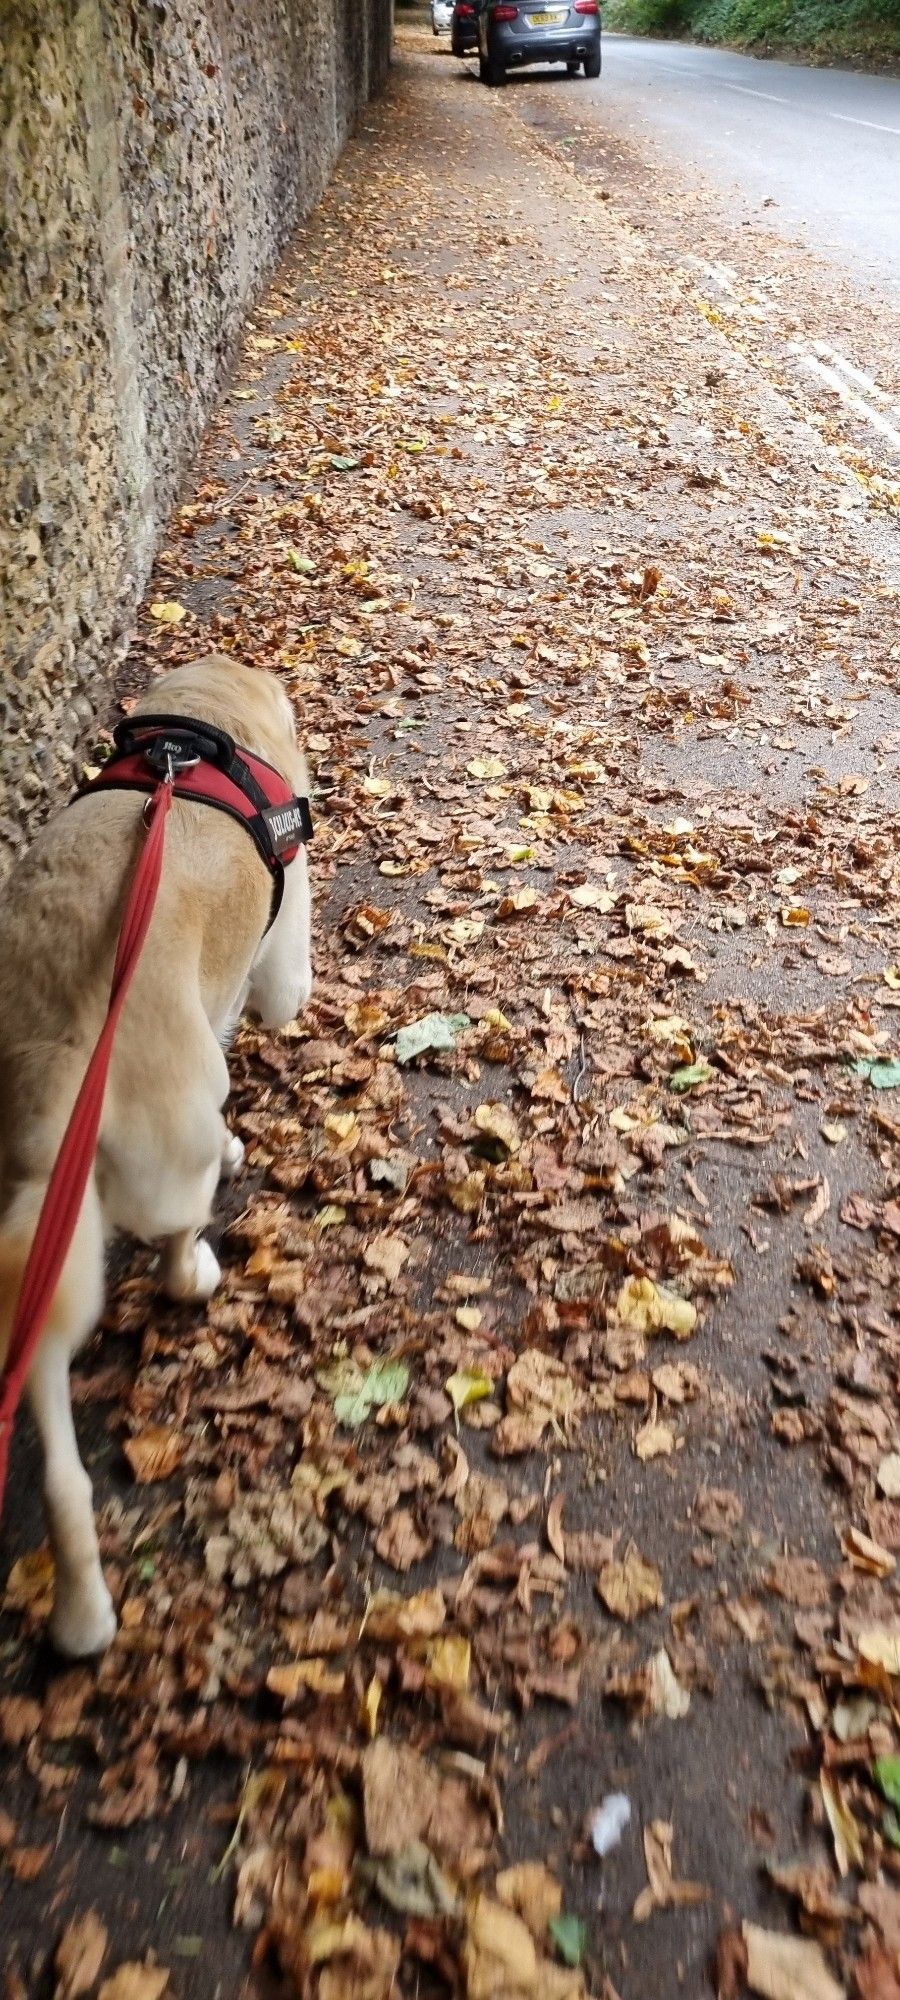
pixel 212 949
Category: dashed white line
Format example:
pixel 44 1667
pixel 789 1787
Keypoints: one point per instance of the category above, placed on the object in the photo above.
pixel 815 110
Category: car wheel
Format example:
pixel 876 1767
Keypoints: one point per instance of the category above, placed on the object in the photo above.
pixel 593 64
pixel 492 71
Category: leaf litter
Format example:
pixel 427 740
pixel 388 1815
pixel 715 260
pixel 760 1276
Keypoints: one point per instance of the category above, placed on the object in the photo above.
pixel 588 1008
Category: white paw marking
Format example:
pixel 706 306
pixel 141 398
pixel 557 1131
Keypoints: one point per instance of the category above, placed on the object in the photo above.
pixel 233 1153
pixel 209 1270
pixel 83 1621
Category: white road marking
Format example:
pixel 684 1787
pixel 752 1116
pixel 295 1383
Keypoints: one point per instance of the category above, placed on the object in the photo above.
pixel 848 368
pixel 817 111
pixel 848 395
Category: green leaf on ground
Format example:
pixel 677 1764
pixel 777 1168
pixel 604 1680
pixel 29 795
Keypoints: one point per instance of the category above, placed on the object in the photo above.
pixel 356 1393
pixel 570 1936
pixel 437 1032
pixel 887 1777
pixel 883 1074
pixel 690 1075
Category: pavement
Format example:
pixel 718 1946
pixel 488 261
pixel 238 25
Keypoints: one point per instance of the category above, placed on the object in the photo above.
pixel 587 596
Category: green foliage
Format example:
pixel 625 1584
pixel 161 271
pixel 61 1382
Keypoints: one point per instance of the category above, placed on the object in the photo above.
pixel 865 28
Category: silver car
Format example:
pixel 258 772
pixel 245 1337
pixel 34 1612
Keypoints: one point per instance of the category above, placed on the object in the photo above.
pixel 535 31
pixel 441 16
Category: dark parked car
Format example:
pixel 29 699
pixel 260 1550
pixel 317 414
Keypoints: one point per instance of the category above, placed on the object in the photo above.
pixel 537 32
pixel 464 26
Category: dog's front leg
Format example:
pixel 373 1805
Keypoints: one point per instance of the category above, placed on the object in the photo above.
pixel 83 1620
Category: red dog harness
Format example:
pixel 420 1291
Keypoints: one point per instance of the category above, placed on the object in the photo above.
pixel 204 764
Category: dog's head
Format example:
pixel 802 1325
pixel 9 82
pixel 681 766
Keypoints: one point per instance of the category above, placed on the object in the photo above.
pixel 250 704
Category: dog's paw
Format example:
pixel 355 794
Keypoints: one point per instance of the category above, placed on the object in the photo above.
pixel 209 1270
pixel 83 1621
pixel 233 1153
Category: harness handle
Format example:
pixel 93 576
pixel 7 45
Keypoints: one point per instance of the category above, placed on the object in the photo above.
pixel 202 741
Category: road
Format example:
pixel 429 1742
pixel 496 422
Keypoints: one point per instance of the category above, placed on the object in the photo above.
pixel 822 144
pixel 770 190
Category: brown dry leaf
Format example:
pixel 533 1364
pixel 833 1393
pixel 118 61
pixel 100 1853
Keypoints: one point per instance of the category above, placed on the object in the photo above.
pixel 405 1799
pixel 387 1255
pixel 730 1966
pixel 500 1961
pixel 20 1719
pixel 663 1892
pixel 135 1981
pixel 555 1534
pixel 888 1476
pixel 390 1616
pixel 357 1963
pixel 882 1904
pixel 845 1832
pixel 498 1955
pixel 665 1694
pixel 27 1863
pixel 542 1387
pixel 154 1453
pixel 787 1968
pixel 79 1956
pixel 880 1647
pixel 799 1580
pixel 400 1542
pixel 496 1121
pixel 654 1440
pixel 865 1554
pixel 533 1893
pixel 876 1976
pixel 717 1510
pixel 630 1587
pixel 400 1795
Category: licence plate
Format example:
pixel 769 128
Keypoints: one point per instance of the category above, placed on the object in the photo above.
pixel 546 20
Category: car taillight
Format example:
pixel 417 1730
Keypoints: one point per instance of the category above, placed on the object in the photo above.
pixel 463 9
pixel 586 7
pixel 505 13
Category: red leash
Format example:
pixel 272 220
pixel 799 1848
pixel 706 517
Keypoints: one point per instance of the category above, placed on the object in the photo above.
pixel 61 1206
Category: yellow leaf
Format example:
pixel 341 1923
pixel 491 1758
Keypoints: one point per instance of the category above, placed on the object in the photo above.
pixel 448 1663
pixel 652 1308
pixel 880 1647
pixel 497 1122
pixel 468 1385
pixel 370 1705
pixel 795 917
pixel 167 612
pixel 486 767
pixel 312 1676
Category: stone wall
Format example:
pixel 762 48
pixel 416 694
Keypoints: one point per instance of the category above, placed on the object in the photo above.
pixel 154 155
